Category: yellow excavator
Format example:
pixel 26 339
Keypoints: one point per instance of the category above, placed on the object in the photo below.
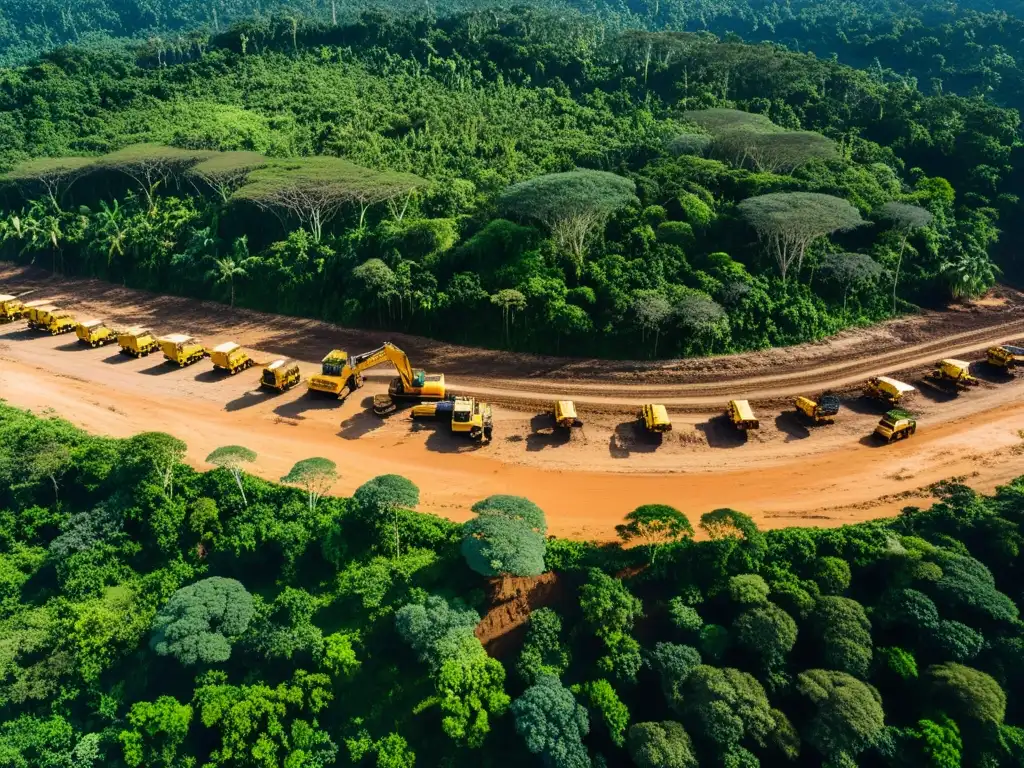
pixel 341 375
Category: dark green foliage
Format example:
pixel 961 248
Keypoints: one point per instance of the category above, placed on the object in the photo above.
pixel 725 706
pixel 661 745
pixel 199 622
pixel 604 704
pixel 766 631
pixel 552 724
pixel 673 663
pixel 848 714
pixel 684 617
pixel 543 652
pixel 956 641
pixel 965 692
pixel 748 589
pixel 832 575
pixel 654 524
pixel 506 538
pixel 845 634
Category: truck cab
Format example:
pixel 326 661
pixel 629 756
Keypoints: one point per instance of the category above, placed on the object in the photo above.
pixel 896 425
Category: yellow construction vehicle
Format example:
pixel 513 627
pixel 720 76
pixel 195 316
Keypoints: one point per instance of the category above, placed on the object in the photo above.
pixel 230 357
pixel 28 306
pixel 896 425
pixel 742 415
pixel 95 333
pixel 655 418
pixel 342 375
pixel 1006 357
pixel 820 411
pixel 887 389
pixel 467 415
pixel 182 349
pixel 60 321
pixel 10 308
pixel 39 316
pixel 953 373
pixel 281 375
pixel 565 415
pixel 137 342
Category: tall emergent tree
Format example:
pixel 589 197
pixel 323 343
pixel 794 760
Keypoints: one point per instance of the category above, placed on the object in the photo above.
pixel 787 223
pixel 906 218
pixel 151 165
pixel 200 621
pixel 506 537
pixel 225 172
pixel 231 458
pixel 571 205
pixel 851 270
pixel 384 496
pixel 553 724
pixel 315 476
pixel 312 190
pixel 53 175
pixel 653 525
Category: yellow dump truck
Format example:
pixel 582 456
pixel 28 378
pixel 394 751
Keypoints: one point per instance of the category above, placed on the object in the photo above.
pixel 137 342
pixel 230 357
pixel 1006 358
pixel 896 425
pixel 473 418
pixel 60 321
pixel 181 349
pixel 28 306
pixel 742 415
pixel 953 373
pixel 887 389
pixel 820 411
pixel 281 375
pixel 655 418
pixel 95 333
pixel 10 308
pixel 565 414
pixel 39 316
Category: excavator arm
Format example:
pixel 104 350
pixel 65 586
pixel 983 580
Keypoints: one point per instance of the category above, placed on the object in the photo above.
pixel 383 353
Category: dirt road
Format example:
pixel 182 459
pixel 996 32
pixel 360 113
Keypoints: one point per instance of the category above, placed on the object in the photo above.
pixel 786 473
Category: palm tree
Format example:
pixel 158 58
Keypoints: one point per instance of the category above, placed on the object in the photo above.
pixel 111 229
pixel 969 273
pixel 225 271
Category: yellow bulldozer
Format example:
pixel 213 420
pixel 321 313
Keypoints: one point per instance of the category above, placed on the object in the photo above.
pixel 230 357
pixel 1005 358
pixel 820 411
pixel 896 425
pixel 182 349
pixel 468 416
pixel 95 333
pixel 10 308
pixel 281 375
pixel 341 375
pixel 887 389
pixel 60 321
pixel 952 373
pixel 137 342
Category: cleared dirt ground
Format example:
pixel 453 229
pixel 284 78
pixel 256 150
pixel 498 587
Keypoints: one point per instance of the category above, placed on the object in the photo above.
pixel 786 473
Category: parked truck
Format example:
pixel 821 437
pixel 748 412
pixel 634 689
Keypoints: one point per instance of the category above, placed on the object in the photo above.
pixel 466 415
pixel 887 389
pixel 1005 358
pixel 137 342
pixel 39 316
pixel 230 357
pixel 28 306
pixel 654 418
pixel 60 321
pixel 742 415
pixel 182 349
pixel 953 373
pixel 10 308
pixel 95 333
pixel 565 415
pixel 897 424
pixel 280 375
pixel 822 410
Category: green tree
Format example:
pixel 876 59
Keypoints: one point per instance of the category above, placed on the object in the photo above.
pixel 964 692
pixel 748 589
pixel 231 458
pixel 845 633
pixel 552 724
pixel 847 717
pixel 158 450
pixel 500 541
pixel 315 476
pixel 767 632
pixel 906 219
pixel 383 497
pixel 543 652
pixel 851 270
pixel 661 745
pixel 226 270
pixel 673 663
pixel 200 621
pixel 653 525
pixel 602 701
pixel 725 706
pixel 158 729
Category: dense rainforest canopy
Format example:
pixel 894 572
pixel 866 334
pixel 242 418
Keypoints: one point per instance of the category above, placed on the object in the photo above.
pixel 523 180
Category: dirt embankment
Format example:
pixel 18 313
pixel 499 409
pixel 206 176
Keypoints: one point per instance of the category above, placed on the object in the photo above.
pixel 786 473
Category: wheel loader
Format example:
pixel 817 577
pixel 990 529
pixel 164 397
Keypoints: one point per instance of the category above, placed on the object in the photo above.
pixel 742 415
pixel 182 349
pixel 467 415
pixel 10 308
pixel 60 321
pixel 897 424
pixel 341 375
pixel 952 373
pixel 655 418
pixel 887 389
pixel 820 411
pixel 281 375
pixel 137 342
pixel 95 333
pixel 1006 358
pixel 230 357
pixel 39 316
pixel 565 415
